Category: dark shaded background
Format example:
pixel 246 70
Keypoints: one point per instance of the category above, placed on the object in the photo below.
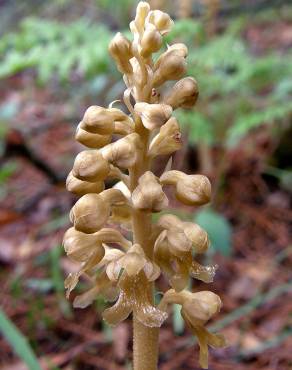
pixel 54 64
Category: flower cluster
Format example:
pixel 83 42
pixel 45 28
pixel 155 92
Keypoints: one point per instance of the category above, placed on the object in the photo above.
pixel 122 147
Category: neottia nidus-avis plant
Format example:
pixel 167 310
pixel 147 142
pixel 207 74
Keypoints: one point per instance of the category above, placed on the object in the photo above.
pixel 119 248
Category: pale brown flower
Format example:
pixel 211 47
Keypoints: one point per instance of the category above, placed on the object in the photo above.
pixel 196 309
pixel 192 190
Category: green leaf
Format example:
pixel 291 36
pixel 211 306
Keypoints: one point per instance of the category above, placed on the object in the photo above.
pixel 218 229
pixel 18 342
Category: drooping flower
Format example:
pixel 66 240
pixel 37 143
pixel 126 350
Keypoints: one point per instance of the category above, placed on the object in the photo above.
pixel 184 94
pixel 192 190
pixel 173 251
pixel 153 115
pixel 162 21
pixel 167 141
pixel 148 195
pixel 132 271
pixel 89 250
pixel 196 309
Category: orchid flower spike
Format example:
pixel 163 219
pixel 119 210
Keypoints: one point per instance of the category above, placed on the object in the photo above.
pixel 118 247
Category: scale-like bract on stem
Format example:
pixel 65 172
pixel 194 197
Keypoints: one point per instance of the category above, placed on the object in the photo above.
pixel 123 265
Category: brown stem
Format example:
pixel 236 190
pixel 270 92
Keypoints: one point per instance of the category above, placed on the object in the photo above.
pixel 145 339
pixel 145 346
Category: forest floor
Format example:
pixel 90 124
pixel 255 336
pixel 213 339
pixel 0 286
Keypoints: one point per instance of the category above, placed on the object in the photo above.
pixel 253 283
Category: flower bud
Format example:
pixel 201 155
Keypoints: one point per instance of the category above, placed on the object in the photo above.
pixel 124 127
pixel 169 221
pixel 120 50
pixel 90 166
pixel 151 41
pixel 192 190
pixel 172 68
pixel 198 307
pixel 161 21
pixel 184 94
pixel 194 233
pixel 197 236
pixel 80 187
pixel 178 49
pixel 167 141
pixel 142 11
pixel 90 213
pixel 178 242
pixel 123 153
pixel 173 264
pixel 123 124
pixel 122 215
pixel 98 120
pixel 91 140
pixel 120 185
pixel 119 115
pixel 80 247
pixel 112 236
pixel 113 197
pixel 148 195
pixel 201 306
pixel 153 115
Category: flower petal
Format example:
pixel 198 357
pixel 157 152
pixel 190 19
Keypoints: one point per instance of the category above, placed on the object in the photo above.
pixel 205 338
pixel 146 313
pixel 152 271
pixel 203 273
pixel 85 299
pixel 71 281
pixel 132 263
pixel 180 279
pixel 102 286
pixel 119 311
pixel 113 270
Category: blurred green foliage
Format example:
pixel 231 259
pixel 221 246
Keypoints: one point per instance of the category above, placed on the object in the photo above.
pixel 241 91
pixel 56 50
pixel 18 342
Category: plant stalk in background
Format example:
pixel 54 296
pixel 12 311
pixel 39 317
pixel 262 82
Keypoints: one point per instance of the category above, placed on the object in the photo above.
pixel 123 264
